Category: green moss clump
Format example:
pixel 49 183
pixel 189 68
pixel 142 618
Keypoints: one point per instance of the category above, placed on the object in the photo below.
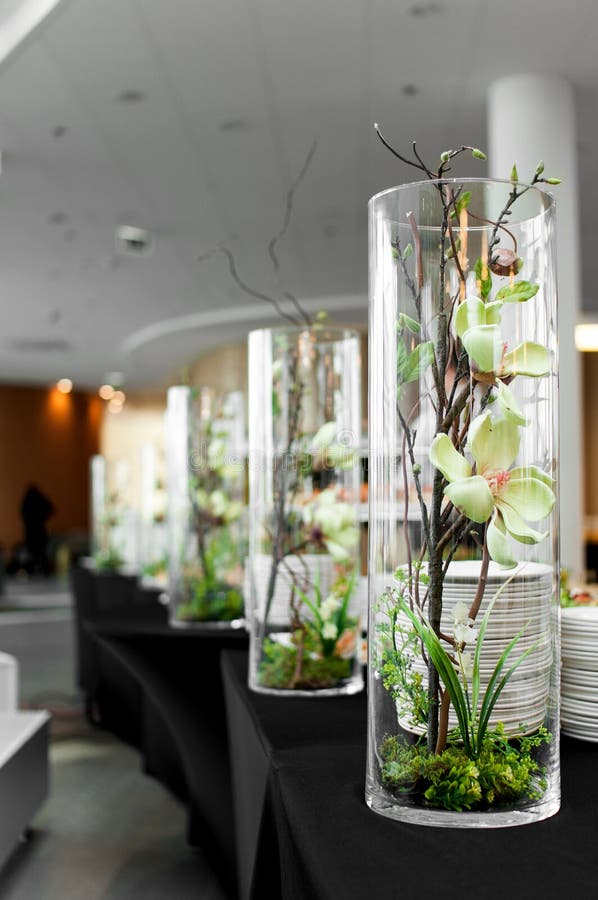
pixel 220 605
pixel 505 772
pixel 108 560
pixel 278 667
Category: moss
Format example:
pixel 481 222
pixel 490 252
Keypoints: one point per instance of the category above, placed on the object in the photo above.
pixel 504 773
pixel 278 667
pixel 220 605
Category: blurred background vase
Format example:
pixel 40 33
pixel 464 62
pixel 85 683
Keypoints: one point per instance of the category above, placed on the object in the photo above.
pixel 463 565
pixel 114 543
pixel 304 539
pixel 206 507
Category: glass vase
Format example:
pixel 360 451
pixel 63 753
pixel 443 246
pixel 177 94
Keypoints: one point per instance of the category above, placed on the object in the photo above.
pixel 206 507
pixel 304 536
pixel 463 726
pixel 153 532
pixel 113 520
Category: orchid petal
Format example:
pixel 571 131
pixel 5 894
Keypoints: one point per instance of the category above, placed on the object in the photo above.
pixel 324 436
pixel 340 457
pixel 338 553
pixel 527 359
pixel 449 461
pixel 508 404
pixel 532 472
pixel 494 443
pixel 516 527
pixel 470 314
pixel 499 546
pixel 492 312
pixel 484 346
pixel 530 497
pixel 472 497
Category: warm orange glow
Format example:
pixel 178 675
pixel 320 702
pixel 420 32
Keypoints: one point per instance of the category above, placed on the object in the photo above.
pixel 484 257
pixel 463 260
pixel 106 392
pixel 59 403
pixel 65 385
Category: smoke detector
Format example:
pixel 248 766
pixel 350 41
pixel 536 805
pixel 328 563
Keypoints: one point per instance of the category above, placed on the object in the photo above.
pixel 134 241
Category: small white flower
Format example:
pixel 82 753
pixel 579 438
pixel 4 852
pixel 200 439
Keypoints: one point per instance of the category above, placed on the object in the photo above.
pixel 460 613
pixel 464 634
pixel 466 662
pixel 329 606
pixel 329 631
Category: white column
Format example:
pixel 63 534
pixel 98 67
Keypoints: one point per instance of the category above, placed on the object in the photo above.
pixel 532 118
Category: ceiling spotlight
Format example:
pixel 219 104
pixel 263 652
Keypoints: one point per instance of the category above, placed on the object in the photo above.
pixel 229 125
pixel 65 385
pixel 423 9
pixel 106 392
pixel 114 407
pixel 118 398
pixel 133 241
pixel 131 95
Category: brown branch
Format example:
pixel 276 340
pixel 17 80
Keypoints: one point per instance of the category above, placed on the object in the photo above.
pixel 479 596
pixel 259 295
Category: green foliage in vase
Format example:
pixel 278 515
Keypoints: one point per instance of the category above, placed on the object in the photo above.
pixel 211 584
pixel 108 560
pixel 221 604
pixel 454 343
pixel 301 664
pixel 210 591
pixel 318 651
pixel 505 772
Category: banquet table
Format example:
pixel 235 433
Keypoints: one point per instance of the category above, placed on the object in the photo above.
pixel 304 831
pixel 175 717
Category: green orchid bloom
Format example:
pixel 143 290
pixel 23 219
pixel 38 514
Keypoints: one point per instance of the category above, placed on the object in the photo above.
pixel 478 325
pixel 509 497
pixel 337 523
pixel 327 450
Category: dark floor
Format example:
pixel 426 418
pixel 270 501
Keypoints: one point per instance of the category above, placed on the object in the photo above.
pixel 108 832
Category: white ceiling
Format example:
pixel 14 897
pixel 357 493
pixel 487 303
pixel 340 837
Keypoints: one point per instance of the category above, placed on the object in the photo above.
pixel 233 93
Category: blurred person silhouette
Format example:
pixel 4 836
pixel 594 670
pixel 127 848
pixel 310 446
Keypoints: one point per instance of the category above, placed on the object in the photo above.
pixel 36 509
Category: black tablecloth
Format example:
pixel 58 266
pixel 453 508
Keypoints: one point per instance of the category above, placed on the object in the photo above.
pixel 176 718
pixel 305 833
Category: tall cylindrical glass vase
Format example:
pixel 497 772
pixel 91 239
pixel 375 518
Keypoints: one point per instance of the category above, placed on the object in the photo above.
pixel 206 513
pixel 463 726
pixel 304 536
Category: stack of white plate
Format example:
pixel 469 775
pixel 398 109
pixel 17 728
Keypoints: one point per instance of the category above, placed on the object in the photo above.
pixel 523 605
pixel 579 672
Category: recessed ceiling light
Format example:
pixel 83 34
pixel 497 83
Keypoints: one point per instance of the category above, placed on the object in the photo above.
pixel 410 90
pixel 134 241
pixel 424 9
pixel 39 345
pixel 64 385
pixel 228 125
pixel 131 95
pixel 58 218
